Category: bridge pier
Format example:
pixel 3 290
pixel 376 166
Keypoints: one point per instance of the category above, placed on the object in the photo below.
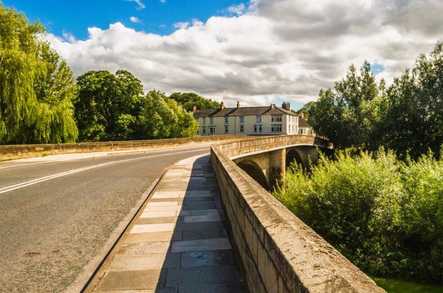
pixel 267 168
pixel 277 166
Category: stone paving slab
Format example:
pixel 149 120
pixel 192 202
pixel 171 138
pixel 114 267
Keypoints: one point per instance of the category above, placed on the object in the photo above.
pixel 178 243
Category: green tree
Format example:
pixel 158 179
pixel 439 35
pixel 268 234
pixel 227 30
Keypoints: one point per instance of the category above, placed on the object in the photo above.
pixel 165 118
pixel 189 100
pixel 413 108
pixel 108 105
pixel 36 86
pixel 345 114
pixel 384 214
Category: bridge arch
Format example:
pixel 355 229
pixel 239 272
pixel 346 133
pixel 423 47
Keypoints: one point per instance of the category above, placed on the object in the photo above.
pixel 293 156
pixel 254 170
pixel 304 155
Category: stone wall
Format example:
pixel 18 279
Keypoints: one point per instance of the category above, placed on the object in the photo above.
pixel 8 152
pixel 278 252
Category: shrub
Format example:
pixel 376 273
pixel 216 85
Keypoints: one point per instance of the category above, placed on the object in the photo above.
pixel 385 215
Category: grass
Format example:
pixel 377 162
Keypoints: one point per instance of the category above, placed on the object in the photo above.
pixel 400 286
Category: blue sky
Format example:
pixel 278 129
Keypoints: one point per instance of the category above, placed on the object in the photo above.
pixel 272 51
pixel 75 16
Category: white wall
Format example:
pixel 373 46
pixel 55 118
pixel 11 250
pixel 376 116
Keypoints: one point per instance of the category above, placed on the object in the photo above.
pixel 290 125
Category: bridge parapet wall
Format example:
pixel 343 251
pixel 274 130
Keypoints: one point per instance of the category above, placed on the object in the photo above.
pixel 279 253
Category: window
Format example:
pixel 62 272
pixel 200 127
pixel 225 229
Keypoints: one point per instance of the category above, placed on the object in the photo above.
pixel 276 128
pixel 226 120
pixel 255 128
pixel 242 128
pixel 276 118
pixel 242 119
pixel 212 130
pixel 260 128
pixel 204 130
pixel 226 129
pixel 258 118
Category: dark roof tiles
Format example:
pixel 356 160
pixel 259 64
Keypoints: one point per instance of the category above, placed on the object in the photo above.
pixel 249 111
pixel 244 111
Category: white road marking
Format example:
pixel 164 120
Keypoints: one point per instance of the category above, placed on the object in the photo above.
pixel 81 156
pixel 78 170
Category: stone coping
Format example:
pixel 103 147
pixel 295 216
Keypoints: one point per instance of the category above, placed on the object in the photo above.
pixel 278 251
pixel 8 152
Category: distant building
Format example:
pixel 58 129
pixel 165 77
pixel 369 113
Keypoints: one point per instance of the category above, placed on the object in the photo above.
pixel 266 120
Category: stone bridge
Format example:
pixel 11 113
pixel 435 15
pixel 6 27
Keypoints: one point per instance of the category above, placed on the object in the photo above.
pixel 267 159
pixel 278 252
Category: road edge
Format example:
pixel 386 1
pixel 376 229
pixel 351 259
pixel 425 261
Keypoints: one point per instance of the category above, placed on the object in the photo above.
pixel 85 278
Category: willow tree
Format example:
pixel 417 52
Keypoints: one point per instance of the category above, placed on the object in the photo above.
pixel 36 86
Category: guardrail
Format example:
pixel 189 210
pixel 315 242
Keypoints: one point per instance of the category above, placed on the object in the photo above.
pixel 8 152
pixel 279 253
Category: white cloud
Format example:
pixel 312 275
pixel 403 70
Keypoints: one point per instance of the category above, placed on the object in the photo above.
pixel 140 4
pixel 134 19
pixel 182 25
pixel 272 49
pixel 237 9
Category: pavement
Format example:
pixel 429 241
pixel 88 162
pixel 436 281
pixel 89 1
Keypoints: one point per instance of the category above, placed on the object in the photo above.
pixel 178 242
pixel 57 213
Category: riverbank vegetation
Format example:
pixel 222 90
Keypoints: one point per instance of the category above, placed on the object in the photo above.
pixel 42 102
pixel 379 200
pixel 384 214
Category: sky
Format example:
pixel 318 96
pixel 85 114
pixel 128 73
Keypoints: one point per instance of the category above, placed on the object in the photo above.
pixel 255 51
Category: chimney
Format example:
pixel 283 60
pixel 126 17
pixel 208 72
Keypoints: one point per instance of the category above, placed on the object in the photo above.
pixel 194 109
pixel 238 104
pixel 286 106
pixel 302 115
pixel 222 106
pixel 272 106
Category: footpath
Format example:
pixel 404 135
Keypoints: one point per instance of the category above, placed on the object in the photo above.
pixel 178 242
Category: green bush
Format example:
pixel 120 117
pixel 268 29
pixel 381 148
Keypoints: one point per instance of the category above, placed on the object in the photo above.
pixel 384 214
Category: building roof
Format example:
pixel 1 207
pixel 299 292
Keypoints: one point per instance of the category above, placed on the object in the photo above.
pixel 249 111
pixel 204 113
pixel 223 112
pixel 302 122
pixel 244 111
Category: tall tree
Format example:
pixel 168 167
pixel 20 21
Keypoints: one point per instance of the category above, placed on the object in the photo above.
pixel 190 100
pixel 345 113
pixel 165 118
pixel 36 86
pixel 413 120
pixel 108 105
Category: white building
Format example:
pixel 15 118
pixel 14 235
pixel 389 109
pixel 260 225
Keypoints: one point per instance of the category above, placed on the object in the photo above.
pixel 267 120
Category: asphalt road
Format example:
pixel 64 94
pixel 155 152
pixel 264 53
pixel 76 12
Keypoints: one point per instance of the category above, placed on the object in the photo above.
pixel 56 213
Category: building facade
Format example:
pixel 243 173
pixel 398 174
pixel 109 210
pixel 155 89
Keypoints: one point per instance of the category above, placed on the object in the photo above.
pixel 266 120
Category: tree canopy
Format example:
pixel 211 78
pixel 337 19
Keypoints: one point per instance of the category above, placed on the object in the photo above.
pixel 189 100
pixel 406 116
pixel 107 105
pixel 163 117
pixel 36 86
pixel 113 107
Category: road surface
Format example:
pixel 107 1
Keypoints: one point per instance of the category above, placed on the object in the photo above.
pixel 58 212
